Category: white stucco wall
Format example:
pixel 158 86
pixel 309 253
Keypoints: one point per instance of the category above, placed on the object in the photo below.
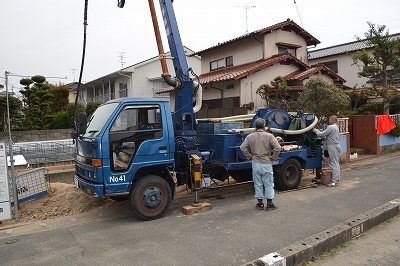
pixel 345 69
pixel 250 50
pixel 144 75
pixel 139 79
pixel 281 36
pixel 243 51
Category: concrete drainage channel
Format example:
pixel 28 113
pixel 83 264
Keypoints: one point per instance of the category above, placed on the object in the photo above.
pixel 319 243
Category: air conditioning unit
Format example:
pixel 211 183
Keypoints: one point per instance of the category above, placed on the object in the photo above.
pixel 249 105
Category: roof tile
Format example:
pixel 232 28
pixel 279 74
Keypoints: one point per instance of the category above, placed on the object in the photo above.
pixel 314 69
pixel 342 48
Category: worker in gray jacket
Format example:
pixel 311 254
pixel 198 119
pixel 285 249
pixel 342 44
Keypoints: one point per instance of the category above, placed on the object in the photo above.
pixel 260 143
pixel 331 135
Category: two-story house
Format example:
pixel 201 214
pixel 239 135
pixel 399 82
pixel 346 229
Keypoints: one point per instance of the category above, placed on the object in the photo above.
pixel 139 80
pixel 233 70
pixel 338 59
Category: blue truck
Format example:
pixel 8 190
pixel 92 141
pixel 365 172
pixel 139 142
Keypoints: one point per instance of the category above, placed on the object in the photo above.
pixel 138 149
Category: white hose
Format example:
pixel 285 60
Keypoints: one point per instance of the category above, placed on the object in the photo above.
pixel 199 96
pixel 227 118
pixel 277 130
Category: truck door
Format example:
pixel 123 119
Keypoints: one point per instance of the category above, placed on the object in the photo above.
pixel 136 138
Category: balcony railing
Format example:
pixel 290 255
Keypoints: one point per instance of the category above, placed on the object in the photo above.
pixel 343 125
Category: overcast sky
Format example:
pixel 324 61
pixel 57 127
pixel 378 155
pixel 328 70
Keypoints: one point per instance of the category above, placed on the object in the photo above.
pixel 42 37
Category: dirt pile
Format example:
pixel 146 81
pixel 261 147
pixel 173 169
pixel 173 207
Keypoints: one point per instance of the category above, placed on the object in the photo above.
pixel 63 200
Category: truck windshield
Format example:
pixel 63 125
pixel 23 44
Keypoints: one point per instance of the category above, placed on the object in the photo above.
pixel 98 119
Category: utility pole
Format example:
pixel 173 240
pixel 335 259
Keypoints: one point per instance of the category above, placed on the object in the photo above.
pixel 10 143
pixel 121 58
pixel 247 7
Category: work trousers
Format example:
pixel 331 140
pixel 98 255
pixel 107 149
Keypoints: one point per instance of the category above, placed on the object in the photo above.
pixel 334 157
pixel 263 177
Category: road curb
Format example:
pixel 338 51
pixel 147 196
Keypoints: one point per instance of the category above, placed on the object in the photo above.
pixel 319 243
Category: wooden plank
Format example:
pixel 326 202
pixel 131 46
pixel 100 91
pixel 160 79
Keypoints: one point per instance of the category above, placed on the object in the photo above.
pixel 50 169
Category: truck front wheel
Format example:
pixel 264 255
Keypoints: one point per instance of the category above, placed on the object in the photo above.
pixel 150 197
pixel 289 175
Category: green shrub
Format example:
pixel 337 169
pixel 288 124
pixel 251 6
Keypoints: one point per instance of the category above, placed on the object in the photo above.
pixel 395 132
pixel 369 109
pixel 71 107
pixel 60 120
pixel 91 107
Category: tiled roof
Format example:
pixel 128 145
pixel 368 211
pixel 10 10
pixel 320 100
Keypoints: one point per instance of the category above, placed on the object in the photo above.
pixel 338 49
pixel 314 69
pixel 237 72
pixel 288 24
pixel 169 89
pixel 342 48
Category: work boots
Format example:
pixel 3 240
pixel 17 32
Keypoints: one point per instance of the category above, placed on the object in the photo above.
pixel 260 205
pixel 270 205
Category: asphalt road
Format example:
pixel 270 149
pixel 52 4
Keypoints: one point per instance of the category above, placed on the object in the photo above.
pixel 232 233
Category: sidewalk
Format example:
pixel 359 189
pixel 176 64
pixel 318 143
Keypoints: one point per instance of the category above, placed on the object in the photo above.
pixel 378 246
pixel 310 248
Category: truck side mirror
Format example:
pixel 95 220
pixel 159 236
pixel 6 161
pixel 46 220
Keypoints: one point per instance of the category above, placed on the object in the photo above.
pixel 121 3
pixel 82 123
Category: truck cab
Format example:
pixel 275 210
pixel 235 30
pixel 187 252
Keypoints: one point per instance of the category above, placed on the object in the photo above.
pixel 125 140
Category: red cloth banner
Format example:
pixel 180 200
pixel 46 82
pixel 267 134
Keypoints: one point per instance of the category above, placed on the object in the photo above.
pixel 385 124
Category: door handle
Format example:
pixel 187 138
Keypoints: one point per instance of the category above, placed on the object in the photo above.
pixel 162 149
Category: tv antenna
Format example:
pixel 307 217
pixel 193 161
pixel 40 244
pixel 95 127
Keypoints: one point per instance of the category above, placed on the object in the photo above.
pixel 73 72
pixel 247 7
pixel 121 59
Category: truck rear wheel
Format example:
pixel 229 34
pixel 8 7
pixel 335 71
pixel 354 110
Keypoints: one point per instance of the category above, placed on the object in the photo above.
pixel 150 197
pixel 289 175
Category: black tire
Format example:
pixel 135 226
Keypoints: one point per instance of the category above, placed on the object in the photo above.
pixel 242 175
pixel 150 197
pixel 119 198
pixel 289 175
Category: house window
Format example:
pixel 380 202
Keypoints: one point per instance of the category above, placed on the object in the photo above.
pixel 123 90
pixel 217 64
pixel 158 86
pixel 229 60
pixel 332 65
pixel 282 49
pixel 223 62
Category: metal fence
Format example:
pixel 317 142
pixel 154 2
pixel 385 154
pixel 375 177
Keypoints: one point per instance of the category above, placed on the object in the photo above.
pixel 43 153
pixel 32 184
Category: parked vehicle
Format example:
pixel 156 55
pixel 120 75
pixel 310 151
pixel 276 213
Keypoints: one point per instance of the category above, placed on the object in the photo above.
pixel 137 149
